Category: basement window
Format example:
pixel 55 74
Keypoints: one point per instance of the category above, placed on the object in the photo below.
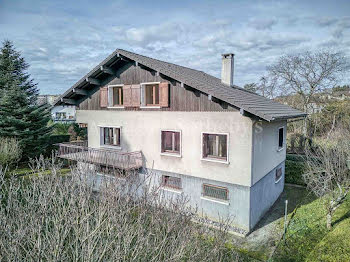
pixel 171 142
pixel 278 174
pixel 171 182
pixel 152 94
pixel 110 136
pixel 215 147
pixel 215 192
pixel 280 138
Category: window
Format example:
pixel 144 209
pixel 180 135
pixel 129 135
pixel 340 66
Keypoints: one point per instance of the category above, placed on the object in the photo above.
pixel 152 94
pixel 278 174
pixel 117 92
pixel 171 142
pixel 171 182
pixel 214 146
pixel 61 115
pixel 110 136
pixel 280 138
pixel 216 192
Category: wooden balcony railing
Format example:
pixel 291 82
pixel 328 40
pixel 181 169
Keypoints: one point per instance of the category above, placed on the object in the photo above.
pixel 78 151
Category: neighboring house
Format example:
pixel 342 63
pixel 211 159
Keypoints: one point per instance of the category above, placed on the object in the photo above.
pixel 59 113
pixel 63 113
pixel 201 136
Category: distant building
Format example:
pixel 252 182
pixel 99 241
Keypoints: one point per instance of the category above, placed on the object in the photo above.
pixel 60 113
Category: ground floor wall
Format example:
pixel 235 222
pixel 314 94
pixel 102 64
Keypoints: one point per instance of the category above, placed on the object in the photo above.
pixel 264 194
pixel 243 209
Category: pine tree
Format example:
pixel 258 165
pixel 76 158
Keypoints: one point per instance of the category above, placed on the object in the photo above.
pixel 20 116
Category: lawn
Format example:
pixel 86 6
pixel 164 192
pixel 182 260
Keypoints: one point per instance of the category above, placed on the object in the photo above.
pixel 308 239
pixel 27 172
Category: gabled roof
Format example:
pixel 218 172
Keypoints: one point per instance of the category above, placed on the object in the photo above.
pixel 255 104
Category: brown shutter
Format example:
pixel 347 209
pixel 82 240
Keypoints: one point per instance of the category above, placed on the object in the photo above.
pixel 135 95
pixel 164 94
pixel 127 95
pixel 103 97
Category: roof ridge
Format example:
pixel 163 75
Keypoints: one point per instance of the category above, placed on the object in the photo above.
pixel 200 71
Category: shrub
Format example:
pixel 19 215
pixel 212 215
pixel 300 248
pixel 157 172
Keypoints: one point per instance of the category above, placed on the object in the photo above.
pixel 10 151
pixel 62 218
pixel 294 172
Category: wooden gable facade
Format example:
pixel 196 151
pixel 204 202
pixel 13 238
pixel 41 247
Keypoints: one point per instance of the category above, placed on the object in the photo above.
pixel 179 97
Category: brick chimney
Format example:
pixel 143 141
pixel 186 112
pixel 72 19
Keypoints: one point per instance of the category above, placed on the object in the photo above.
pixel 227 69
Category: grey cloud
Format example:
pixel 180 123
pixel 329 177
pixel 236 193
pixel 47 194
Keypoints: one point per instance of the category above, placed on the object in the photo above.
pixel 262 24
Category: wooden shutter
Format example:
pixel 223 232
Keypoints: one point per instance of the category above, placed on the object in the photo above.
pixel 135 95
pixel 103 97
pixel 164 94
pixel 127 95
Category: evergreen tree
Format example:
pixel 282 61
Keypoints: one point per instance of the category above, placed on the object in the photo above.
pixel 20 116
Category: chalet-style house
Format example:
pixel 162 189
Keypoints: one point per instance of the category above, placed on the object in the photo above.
pixel 219 144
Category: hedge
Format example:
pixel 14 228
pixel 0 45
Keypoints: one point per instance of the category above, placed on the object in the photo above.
pixel 55 139
pixel 295 167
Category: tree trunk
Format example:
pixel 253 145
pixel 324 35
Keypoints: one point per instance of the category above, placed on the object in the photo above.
pixel 329 220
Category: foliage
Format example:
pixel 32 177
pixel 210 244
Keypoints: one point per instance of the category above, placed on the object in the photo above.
pixel 308 240
pixel 10 151
pixel 55 139
pixel 341 88
pixel 294 172
pixel 20 116
pixel 327 170
pixel 60 128
pixel 61 218
pixel 335 113
pixel 251 87
pixel 73 130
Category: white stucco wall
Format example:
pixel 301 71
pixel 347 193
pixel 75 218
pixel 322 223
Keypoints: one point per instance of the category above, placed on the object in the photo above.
pixel 141 130
pixel 266 155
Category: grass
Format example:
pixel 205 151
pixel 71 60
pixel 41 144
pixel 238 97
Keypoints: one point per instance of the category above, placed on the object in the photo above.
pixel 27 172
pixel 308 238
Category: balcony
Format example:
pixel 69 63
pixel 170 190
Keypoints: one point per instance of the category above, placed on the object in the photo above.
pixel 80 152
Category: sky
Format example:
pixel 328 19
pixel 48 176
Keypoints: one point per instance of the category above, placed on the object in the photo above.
pixel 63 40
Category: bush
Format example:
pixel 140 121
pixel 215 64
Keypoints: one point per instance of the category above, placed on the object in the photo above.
pixel 61 218
pixel 295 168
pixel 55 139
pixel 10 151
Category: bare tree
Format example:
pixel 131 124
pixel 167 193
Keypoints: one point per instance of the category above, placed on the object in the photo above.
pixel 328 173
pixel 307 74
pixel 62 218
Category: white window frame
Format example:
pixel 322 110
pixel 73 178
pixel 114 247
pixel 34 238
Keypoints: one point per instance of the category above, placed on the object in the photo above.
pixel 149 83
pixel 109 146
pixel 216 200
pixel 278 139
pixel 110 96
pixel 167 153
pixel 227 148
pixel 278 180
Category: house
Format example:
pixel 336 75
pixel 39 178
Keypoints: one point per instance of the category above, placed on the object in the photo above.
pixel 59 113
pixel 219 144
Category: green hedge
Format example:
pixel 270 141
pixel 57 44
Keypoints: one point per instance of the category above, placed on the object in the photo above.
pixel 295 167
pixel 295 157
pixel 55 139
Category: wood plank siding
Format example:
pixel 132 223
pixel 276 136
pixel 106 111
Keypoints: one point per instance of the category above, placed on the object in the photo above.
pixel 180 98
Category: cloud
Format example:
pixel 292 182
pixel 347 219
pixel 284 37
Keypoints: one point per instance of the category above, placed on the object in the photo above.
pixel 262 24
pixel 62 42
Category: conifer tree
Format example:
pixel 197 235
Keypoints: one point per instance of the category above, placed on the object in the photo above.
pixel 20 116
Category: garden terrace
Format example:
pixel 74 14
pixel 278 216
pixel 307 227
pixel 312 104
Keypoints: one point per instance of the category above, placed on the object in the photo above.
pixel 80 152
